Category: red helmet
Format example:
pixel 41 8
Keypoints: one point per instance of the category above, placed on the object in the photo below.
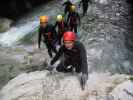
pixel 69 36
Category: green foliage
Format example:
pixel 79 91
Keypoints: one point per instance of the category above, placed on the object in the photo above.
pixel 131 78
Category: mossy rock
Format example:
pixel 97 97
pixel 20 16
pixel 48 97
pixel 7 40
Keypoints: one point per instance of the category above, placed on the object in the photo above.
pixel 5 24
pixel 131 78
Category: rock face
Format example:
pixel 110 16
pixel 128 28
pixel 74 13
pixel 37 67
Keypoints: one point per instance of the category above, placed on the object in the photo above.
pixel 44 87
pixel 17 60
pixel 15 8
pixel 41 85
pixel 123 91
pixel 104 32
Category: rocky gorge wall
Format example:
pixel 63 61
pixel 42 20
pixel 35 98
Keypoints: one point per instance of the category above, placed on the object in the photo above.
pixel 15 8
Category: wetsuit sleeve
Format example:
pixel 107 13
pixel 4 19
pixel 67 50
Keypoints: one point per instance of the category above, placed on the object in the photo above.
pixel 68 18
pixel 66 26
pixel 57 56
pixel 55 25
pixel 54 34
pixel 39 38
pixel 83 58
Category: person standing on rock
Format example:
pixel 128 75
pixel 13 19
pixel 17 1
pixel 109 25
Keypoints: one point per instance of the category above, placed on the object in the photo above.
pixel 73 57
pixel 84 5
pixel 49 35
pixel 67 5
pixel 62 27
pixel 73 19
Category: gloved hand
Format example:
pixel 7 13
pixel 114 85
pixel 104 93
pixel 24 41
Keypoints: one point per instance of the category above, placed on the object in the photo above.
pixel 50 67
pixel 83 80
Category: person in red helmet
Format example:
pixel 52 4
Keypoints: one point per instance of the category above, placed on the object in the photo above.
pixel 73 57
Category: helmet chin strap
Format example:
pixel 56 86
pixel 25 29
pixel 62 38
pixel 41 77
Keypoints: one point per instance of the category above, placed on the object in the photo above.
pixel 69 48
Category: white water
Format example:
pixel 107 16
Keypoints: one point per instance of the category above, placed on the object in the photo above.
pixel 16 33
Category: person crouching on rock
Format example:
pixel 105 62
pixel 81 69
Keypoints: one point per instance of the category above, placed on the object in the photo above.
pixel 73 57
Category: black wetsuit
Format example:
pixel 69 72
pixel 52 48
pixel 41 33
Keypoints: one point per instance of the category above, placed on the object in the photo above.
pixel 62 27
pixel 84 5
pixel 76 57
pixel 49 38
pixel 73 20
pixel 67 5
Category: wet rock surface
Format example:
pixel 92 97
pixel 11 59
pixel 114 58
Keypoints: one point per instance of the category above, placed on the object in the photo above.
pixel 104 33
pixel 19 60
pixel 123 91
pixel 41 85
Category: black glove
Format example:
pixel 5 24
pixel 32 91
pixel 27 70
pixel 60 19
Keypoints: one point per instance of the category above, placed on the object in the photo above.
pixel 50 68
pixel 83 80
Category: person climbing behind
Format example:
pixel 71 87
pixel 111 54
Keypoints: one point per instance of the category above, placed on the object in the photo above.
pixel 62 27
pixel 49 35
pixel 67 5
pixel 84 5
pixel 73 19
pixel 73 57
